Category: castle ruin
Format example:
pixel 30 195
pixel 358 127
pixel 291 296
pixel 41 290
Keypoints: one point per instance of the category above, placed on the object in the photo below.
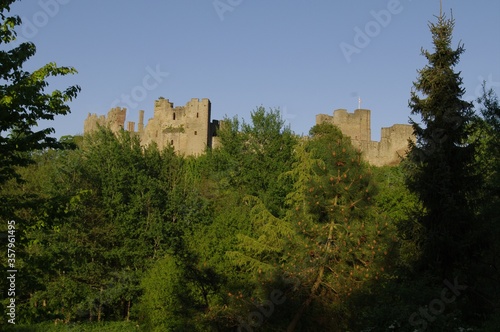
pixel 393 143
pixel 188 129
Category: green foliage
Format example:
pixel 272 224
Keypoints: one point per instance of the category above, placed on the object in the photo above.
pixel 24 102
pixel 399 206
pixel 441 169
pixel 166 300
pixel 268 232
pixel 342 242
pixel 266 245
pixel 104 214
pixel 447 235
pixel 485 266
pixel 77 327
pixel 323 249
pixel 488 135
pixel 393 197
pixel 247 149
pixel 124 232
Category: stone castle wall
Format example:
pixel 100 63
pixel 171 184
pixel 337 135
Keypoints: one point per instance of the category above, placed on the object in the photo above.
pixel 115 120
pixel 393 143
pixel 188 129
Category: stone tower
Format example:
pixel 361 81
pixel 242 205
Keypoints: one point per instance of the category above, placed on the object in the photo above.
pixel 393 143
pixel 188 129
pixel 355 125
pixel 115 120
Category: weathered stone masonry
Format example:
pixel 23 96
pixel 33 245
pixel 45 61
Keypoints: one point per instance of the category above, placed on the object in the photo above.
pixel 393 143
pixel 190 130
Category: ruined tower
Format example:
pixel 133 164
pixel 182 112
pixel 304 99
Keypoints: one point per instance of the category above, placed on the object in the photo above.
pixel 393 143
pixel 355 125
pixel 115 120
pixel 188 129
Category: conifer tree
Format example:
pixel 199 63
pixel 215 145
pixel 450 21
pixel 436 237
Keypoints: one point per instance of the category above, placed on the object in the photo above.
pixel 488 157
pixel 328 245
pixel 340 238
pixel 441 162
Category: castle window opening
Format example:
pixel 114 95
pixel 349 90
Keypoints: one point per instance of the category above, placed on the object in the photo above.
pixel 186 129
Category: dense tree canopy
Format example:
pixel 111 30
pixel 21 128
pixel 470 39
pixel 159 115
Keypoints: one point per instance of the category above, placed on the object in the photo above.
pixel 268 232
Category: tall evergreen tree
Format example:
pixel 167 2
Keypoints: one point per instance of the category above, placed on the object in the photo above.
pixel 441 162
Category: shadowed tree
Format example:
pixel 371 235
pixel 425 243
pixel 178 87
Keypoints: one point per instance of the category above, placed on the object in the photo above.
pixel 329 244
pixel 441 169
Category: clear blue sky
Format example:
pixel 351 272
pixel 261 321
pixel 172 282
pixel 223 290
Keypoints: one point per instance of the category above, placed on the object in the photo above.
pixel 305 57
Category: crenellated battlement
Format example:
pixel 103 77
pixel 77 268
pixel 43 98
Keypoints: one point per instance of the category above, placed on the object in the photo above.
pixel 393 143
pixel 188 129
pixel 114 120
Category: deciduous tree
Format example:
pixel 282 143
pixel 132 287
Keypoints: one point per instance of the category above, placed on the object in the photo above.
pixel 24 100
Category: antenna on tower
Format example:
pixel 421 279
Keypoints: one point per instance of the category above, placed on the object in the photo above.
pixel 440 8
pixel 359 103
